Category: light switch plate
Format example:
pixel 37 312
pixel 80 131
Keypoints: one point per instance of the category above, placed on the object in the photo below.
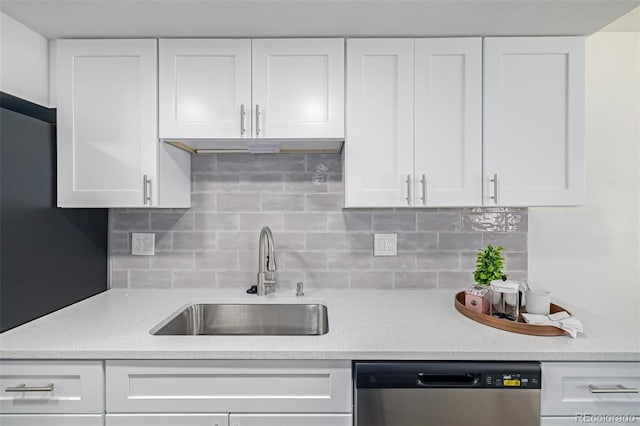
pixel 143 243
pixel 385 244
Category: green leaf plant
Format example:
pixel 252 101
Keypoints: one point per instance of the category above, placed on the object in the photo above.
pixel 489 264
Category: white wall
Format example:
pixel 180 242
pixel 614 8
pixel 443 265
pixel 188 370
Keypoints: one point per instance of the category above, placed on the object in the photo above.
pixel 24 62
pixel 590 255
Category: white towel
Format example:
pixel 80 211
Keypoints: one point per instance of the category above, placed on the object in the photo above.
pixel 562 320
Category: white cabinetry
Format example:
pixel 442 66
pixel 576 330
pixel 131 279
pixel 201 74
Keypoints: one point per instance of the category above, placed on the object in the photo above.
pixel 242 393
pixel 534 121
pixel 588 392
pixel 108 152
pixel 298 88
pixel 56 393
pixel 379 138
pixel 205 87
pixel 167 419
pixel 267 88
pixel 448 122
pixel 52 420
pixel 290 420
pixel 414 122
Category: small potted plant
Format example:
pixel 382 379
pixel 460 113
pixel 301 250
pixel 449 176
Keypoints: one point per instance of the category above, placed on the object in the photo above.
pixel 489 264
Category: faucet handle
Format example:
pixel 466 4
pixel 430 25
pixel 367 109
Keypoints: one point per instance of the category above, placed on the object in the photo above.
pixel 299 289
pixel 271 262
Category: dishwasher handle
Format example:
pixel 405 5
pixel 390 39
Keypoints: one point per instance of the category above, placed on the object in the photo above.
pixel 439 380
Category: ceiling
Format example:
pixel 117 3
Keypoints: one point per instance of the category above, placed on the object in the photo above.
pixel 300 18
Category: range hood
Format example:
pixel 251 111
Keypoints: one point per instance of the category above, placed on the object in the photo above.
pixel 258 146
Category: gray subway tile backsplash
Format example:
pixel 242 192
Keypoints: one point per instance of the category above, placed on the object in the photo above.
pixel 214 244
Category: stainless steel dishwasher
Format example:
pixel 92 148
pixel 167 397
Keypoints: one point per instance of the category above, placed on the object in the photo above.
pixel 447 393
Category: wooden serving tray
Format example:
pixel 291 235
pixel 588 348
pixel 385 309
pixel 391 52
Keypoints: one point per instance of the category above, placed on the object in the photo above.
pixel 513 326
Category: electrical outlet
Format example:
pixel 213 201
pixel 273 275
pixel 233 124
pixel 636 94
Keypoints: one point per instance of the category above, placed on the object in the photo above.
pixel 143 243
pixel 385 244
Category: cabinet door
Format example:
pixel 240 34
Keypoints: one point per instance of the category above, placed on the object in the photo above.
pixel 534 121
pixel 167 420
pixel 52 420
pixel 107 123
pixel 448 122
pixel 290 420
pixel 205 88
pixel 298 88
pixel 379 141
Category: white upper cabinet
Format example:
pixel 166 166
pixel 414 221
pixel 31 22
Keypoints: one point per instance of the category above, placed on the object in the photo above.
pixel 267 88
pixel 298 88
pixel 108 152
pixel 448 122
pixel 107 141
pixel 379 137
pixel 205 87
pixel 534 121
pixel 414 141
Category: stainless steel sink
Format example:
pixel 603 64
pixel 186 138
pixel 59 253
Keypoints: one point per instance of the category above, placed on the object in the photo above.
pixel 247 319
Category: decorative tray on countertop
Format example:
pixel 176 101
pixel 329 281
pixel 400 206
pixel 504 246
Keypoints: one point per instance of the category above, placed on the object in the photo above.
pixel 514 326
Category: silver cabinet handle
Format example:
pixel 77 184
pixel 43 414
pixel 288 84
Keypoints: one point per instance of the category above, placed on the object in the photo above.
pixel 617 389
pixel 146 185
pixel 494 197
pixel 24 388
pixel 424 189
pixel 258 116
pixel 243 115
pixel 408 189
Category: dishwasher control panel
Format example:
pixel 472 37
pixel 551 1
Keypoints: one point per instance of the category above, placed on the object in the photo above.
pixel 447 374
pixel 512 380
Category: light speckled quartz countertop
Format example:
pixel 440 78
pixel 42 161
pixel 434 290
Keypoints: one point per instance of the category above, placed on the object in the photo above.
pixel 367 324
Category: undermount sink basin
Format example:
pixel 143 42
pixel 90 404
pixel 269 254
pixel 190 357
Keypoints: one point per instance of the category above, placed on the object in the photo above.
pixel 247 319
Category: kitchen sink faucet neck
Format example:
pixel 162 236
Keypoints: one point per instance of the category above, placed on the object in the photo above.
pixel 266 262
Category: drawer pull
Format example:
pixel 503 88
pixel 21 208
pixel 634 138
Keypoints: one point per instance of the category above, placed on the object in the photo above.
pixel 617 389
pixel 24 388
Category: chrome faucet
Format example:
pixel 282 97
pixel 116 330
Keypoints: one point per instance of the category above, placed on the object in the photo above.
pixel 266 261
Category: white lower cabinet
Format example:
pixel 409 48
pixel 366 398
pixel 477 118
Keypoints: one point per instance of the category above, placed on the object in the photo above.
pixel 228 393
pixel 52 420
pixel 51 393
pixel 590 393
pixel 167 420
pixel 290 420
pixel 51 387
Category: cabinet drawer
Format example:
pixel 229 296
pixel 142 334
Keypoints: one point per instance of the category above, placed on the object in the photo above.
pixel 228 386
pixel 51 420
pixel 167 420
pixel 290 420
pixel 566 388
pixel 76 387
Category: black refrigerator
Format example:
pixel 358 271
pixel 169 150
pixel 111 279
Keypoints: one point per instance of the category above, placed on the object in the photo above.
pixel 49 257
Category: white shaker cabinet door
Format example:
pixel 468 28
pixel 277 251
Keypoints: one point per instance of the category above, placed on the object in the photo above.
pixel 448 122
pixel 379 138
pixel 533 121
pixel 52 420
pixel 107 123
pixel 298 88
pixel 290 420
pixel 205 88
pixel 167 419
